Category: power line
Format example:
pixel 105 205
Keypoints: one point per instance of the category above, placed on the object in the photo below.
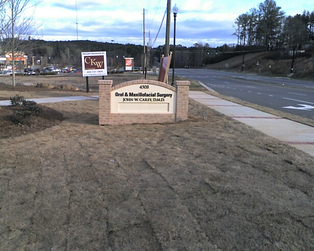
pixel 152 12
pixel 160 27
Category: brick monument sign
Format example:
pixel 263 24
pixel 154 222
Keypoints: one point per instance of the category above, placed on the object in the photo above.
pixel 142 101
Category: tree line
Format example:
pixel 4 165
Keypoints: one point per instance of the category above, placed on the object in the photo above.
pixel 267 26
pixel 68 53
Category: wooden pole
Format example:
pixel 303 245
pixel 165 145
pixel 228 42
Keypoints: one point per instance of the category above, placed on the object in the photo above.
pixel 167 44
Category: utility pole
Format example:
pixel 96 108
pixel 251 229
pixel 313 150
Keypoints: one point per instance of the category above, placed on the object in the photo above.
pixel 167 45
pixel 144 55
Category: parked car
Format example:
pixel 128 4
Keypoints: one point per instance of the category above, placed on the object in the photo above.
pixel 57 70
pixel 29 71
pixel 45 71
pixel 65 70
pixel 77 71
pixel 120 70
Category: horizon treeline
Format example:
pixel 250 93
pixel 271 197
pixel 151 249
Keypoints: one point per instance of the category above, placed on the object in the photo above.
pixel 267 26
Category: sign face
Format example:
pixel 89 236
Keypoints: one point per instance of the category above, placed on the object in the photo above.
pixel 143 98
pixel 129 64
pixel 94 63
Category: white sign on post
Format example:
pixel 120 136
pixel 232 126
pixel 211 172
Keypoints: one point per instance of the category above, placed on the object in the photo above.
pixel 94 64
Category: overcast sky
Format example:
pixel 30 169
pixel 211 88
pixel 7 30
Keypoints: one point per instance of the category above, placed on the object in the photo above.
pixel 121 21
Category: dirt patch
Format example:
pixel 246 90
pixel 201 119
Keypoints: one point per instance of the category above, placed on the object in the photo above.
pixel 70 82
pixel 74 80
pixel 12 125
pixel 210 183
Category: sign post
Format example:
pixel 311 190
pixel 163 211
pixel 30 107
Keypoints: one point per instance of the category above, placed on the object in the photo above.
pixel 87 88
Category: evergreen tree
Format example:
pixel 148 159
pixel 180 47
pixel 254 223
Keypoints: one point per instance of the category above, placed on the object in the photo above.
pixel 295 30
pixel 270 23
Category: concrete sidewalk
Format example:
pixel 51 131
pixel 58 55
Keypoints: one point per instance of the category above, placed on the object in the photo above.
pixel 53 100
pixel 295 134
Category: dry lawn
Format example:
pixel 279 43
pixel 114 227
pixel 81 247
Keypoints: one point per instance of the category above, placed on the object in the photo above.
pixel 210 183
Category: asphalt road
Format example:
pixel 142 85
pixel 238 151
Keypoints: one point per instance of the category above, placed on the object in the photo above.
pixel 284 94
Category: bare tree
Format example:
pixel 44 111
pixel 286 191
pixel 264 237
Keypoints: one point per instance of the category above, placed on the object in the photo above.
pixel 15 27
pixel 3 25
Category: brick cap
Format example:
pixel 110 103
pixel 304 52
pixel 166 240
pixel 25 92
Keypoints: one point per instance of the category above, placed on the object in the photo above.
pixel 183 83
pixel 105 82
pixel 142 82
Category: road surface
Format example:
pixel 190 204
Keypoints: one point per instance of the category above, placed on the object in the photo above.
pixel 284 94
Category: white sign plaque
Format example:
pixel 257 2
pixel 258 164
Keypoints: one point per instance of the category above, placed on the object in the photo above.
pixel 94 64
pixel 143 98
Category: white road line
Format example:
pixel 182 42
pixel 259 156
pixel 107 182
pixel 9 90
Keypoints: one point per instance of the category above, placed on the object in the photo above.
pixel 300 107
pixel 300 94
pixel 299 100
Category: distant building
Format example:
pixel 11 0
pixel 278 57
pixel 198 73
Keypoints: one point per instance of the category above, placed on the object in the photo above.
pixel 19 58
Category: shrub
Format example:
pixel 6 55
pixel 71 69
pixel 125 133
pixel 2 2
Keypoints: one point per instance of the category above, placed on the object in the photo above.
pixel 31 107
pixel 26 110
pixel 17 100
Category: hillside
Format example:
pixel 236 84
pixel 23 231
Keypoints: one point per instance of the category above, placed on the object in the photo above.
pixel 303 67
